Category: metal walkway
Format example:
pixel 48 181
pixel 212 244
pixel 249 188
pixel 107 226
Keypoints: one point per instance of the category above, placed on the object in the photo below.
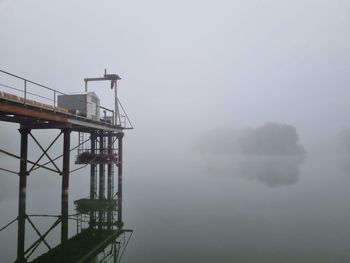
pixel 82 247
pixel 40 118
pixel 25 104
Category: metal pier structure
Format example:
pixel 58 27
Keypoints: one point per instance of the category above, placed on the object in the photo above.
pixel 99 241
pixel 100 145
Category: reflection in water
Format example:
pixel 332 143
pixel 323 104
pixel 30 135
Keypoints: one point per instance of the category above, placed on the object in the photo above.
pixel 98 237
pixel 270 153
pixel 273 171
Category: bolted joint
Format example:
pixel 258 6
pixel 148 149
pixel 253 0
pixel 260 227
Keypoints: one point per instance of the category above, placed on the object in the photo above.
pixel 24 131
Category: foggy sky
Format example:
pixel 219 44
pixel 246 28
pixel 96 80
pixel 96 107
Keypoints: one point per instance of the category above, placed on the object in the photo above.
pixel 192 64
pixel 188 67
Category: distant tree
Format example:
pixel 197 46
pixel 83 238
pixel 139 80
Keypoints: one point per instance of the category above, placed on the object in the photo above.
pixel 268 139
pixel 274 138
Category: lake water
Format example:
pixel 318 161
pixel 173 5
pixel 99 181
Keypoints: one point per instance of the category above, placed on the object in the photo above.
pixel 220 209
pixel 250 210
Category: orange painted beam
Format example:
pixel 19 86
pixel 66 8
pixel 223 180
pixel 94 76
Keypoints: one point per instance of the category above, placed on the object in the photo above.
pixel 37 114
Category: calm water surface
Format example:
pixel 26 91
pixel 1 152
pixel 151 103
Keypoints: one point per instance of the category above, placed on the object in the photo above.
pixel 216 209
pixel 251 210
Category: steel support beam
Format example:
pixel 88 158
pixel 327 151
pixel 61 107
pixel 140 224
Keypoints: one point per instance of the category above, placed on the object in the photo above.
pixel 33 114
pixel 101 170
pixel 101 194
pixel 110 168
pixel 65 187
pixel 120 178
pixel 93 167
pixel 93 176
pixel 22 195
pixel 110 180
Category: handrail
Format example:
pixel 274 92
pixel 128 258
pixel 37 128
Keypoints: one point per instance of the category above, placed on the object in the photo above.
pixel 26 101
pixel 26 92
pixel 29 81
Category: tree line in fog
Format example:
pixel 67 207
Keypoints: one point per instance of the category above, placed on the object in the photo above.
pixel 268 139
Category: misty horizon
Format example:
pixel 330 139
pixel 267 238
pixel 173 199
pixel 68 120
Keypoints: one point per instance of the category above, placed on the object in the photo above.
pixel 240 150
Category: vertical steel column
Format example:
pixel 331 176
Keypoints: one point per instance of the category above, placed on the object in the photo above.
pixel 109 167
pixel 93 175
pixel 115 254
pixel 101 194
pixel 102 170
pixel 22 195
pixel 93 167
pixel 109 180
pixel 120 178
pixel 65 186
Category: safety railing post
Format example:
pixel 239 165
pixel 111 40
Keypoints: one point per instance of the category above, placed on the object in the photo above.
pixel 25 93
pixel 54 100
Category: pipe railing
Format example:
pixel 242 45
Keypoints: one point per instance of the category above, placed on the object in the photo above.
pixel 50 95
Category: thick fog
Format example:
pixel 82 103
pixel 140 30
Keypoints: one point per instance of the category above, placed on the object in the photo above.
pixel 270 153
pixel 190 67
pixel 269 139
pixel 227 90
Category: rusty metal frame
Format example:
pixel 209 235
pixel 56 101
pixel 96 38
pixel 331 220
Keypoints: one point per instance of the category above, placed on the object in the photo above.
pixel 31 116
pixel 45 152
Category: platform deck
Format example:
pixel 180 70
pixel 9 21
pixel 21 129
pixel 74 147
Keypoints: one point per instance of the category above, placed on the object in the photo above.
pixel 39 117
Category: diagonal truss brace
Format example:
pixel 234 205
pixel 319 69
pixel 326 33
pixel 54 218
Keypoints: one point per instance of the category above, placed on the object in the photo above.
pixel 45 153
pixel 19 158
pixel 35 245
pixel 38 232
pixel 60 156
pixel 38 166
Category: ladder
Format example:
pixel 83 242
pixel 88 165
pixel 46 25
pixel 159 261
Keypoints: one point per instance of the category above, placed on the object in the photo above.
pixel 81 139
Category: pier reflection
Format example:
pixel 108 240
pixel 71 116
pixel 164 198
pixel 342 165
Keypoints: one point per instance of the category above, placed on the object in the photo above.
pixel 98 234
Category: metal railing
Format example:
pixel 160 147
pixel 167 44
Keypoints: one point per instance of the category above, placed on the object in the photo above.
pixel 27 92
pixel 50 94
